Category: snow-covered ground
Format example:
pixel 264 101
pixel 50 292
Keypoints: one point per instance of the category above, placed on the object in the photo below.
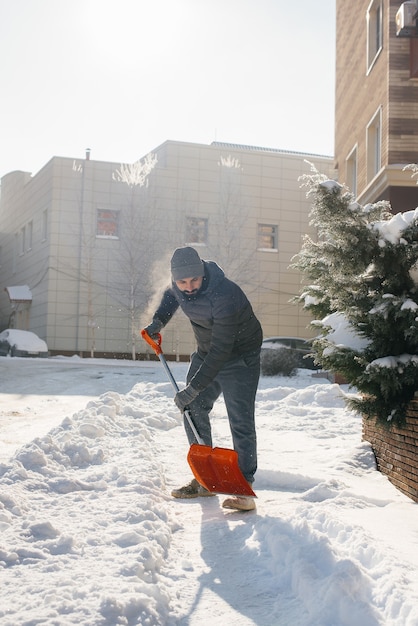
pixel 90 450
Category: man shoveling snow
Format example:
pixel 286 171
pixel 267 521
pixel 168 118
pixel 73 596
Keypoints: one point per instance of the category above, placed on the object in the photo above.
pixel 227 359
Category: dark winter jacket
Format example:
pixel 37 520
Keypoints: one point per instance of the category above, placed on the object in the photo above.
pixel 222 319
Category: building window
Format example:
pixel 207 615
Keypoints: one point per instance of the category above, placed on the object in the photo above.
pixel 22 240
pixel 44 225
pixel 374 31
pixel 29 236
pixel 15 252
pixel 374 145
pixel 351 171
pixel 267 237
pixel 107 223
pixel 196 230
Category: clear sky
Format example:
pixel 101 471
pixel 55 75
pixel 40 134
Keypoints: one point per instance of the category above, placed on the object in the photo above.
pixel 122 76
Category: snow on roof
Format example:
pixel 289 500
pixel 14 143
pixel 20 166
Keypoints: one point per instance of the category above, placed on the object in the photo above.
pixel 19 293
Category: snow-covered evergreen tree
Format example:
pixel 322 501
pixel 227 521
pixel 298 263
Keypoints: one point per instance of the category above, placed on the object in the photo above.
pixel 363 292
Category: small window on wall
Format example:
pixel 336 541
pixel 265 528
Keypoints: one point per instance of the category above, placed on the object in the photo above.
pixel 22 240
pixel 107 223
pixel 29 236
pixel 44 226
pixel 267 237
pixel 374 31
pixel 196 230
pixel 351 171
pixel 374 145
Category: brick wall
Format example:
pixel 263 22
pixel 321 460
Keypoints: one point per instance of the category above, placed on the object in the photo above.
pixel 396 450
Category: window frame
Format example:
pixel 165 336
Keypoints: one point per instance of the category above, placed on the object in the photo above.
pixel 29 236
pixel 44 225
pixel 262 236
pixel 201 229
pixel 22 241
pixel 374 145
pixel 112 218
pixel 374 19
pixel 351 170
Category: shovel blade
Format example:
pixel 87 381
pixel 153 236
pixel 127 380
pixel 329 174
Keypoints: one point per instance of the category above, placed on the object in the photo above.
pixel 217 470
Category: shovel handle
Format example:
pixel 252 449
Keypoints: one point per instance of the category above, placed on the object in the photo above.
pixel 156 346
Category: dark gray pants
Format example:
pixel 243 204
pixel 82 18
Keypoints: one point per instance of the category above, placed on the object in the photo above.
pixel 238 382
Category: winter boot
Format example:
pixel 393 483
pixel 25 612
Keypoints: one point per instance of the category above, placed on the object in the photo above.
pixel 192 490
pixel 239 503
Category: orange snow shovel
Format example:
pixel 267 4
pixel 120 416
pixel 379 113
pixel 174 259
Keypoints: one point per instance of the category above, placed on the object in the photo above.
pixel 215 468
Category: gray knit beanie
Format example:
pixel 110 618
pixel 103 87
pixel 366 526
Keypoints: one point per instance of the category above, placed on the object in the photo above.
pixel 186 263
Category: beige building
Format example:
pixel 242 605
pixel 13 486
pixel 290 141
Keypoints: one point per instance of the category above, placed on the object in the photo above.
pixel 89 242
pixel 376 115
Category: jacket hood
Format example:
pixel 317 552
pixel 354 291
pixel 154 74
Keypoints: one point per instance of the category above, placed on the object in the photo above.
pixel 213 276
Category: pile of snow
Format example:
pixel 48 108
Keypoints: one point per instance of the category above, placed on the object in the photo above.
pixel 91 536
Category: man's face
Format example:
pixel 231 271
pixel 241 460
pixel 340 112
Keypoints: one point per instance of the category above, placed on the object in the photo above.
pixel 190 286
